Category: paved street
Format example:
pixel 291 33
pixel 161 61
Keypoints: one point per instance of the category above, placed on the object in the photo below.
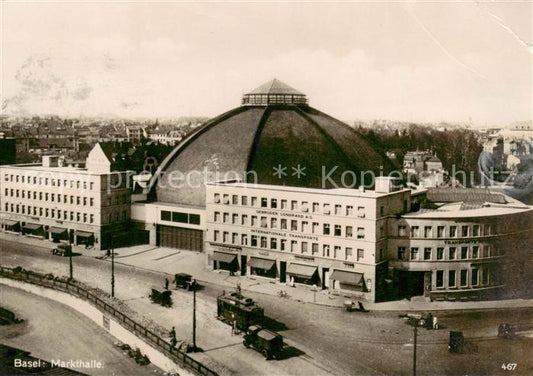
pixel 332 340
pixel 222 351
pixel 54 331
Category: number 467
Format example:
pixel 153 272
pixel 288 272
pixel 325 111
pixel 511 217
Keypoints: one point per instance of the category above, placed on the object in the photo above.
pixel 509 366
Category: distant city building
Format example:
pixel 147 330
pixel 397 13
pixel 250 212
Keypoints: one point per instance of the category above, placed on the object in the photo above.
pixel 164 137
pixel 58 202
pixel 135 133
pixel 522 126
pixel 425 166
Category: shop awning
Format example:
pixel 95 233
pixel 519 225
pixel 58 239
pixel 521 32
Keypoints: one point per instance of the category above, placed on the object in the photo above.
pixel 32 226
pixel 228 258
pixel 84 234
pixel 9 222
pixel 349 278
pixel 260 263
pixel 302 271
pixel 57 230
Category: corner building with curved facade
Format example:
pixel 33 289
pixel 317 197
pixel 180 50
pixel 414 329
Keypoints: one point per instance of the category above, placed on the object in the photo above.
pixel 274 189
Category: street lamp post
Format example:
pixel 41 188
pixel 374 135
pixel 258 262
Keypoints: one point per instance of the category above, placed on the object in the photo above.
pixel 414 348
pixel 112 272
pixel 112 268
pixel 194 319
pixel 70 258
pixel 70 265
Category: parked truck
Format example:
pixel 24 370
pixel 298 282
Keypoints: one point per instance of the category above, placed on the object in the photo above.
pixel 185 281
pixel 270 344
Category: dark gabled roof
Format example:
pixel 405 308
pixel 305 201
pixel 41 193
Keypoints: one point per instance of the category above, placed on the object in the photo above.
pixel 275 87
pixel 109 150
pixel 434 159
pixel 465 195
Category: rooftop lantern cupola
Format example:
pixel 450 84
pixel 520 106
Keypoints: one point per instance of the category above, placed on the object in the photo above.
pixel 274 92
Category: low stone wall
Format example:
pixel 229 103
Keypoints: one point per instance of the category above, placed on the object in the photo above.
pixel 103 320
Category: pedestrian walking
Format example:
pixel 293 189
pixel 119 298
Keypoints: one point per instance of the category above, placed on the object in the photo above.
pixel 173 333
pixel 429 321
pixel 166 283
pixel 435 322
pixel 173 342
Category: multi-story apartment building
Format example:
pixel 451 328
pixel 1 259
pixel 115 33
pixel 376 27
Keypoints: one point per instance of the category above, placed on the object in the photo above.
pixel 334 238
pixel 135 133
pixel 65 203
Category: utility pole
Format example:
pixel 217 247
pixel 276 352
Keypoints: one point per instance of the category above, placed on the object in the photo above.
pixel 112 269
pixel 70 258
pixel 414 350
pixel 70 266
pixel 194 319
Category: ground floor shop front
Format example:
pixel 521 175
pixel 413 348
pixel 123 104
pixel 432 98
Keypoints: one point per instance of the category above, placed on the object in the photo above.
pixel 91 237
pixel 451 281
pixel 295 270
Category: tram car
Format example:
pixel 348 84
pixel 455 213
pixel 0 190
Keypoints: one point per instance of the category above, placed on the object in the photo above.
pixel 239 309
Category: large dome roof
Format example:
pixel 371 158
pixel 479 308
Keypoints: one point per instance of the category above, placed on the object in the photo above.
pixel 274 138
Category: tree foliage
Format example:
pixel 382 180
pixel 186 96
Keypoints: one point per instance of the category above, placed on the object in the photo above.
pixel 458 149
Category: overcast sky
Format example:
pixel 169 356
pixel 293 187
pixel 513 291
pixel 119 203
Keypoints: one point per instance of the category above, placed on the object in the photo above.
pixel 423 61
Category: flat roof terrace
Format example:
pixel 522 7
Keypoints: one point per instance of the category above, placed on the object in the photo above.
pixel 346 192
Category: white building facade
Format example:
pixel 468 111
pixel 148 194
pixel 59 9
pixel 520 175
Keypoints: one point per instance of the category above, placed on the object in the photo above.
pixel 64 203
pixel 456 254
pixel 333 238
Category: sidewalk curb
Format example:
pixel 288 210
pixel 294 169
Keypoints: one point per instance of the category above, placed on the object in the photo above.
pixel 525 304
pixel 341 306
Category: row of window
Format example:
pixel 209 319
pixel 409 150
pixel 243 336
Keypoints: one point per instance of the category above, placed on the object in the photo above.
pixel 294 205
pixel 451 232
pixel 294 246
pixel 52 197
pixel 59 198
pixel 46 181
pixel 50 213
pixel 452 253
pixel 61 214
pixel 193 219
pixel 478 277
pixel 286 224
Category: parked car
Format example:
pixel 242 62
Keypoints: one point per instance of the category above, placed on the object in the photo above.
pixel 62 250
pixel 185 281
pixel 270 344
